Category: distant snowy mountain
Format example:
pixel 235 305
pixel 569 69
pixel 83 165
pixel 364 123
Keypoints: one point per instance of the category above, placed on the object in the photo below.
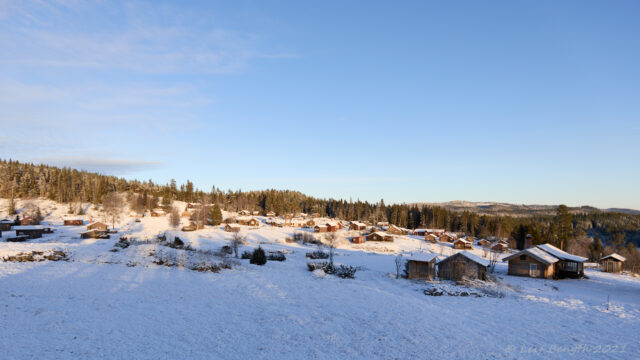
pixel 496 208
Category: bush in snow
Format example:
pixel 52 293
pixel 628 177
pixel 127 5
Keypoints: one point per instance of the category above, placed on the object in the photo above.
pixel 312 266
pixel 330 269
pixel 276 256
pixel 346 271
pixel 226 250
pixel 246 255
pixel 258 257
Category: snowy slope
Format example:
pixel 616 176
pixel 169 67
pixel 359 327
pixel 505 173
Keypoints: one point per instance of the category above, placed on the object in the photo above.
pixel 104 304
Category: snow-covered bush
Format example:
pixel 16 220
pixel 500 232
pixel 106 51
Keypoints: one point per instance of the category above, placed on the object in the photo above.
pixel 318 254
pixel 346 271
pixel 313 265
pixel 276 256
pixel 246 255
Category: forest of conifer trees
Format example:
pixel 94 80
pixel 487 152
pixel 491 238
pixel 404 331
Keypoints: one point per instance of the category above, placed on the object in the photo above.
pixel 579 232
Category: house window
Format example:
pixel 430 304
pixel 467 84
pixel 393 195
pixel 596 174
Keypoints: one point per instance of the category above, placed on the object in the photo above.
pixel 523 257
pixel 533 270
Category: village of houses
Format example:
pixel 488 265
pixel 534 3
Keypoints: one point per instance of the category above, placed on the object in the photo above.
pixel 446 273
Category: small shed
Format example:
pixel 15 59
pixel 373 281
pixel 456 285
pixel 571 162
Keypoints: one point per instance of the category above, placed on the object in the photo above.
pixel 271 214
pixel 32 231
pixel 73 222
pixel 392 229
pixel 446 238
pixel 463 265
pixel 380 236
pixel 359 239
pixel 94 234
pixel 98 225
pixel 612 263
pixel 332 226
pixel 232 228
pixel 244 212
pixel 462 244
pixel 5 225
pixel 422 266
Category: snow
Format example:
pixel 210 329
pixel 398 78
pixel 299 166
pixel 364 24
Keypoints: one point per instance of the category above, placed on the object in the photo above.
pixel 121 305
pixel 423 257
pixel 614 256
pixel 537 254
pixel 561 254
pixel 472 257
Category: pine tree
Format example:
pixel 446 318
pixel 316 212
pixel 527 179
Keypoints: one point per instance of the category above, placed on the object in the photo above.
pixel 258 257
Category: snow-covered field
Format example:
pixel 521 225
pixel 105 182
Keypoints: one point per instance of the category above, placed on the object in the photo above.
pixel 121 305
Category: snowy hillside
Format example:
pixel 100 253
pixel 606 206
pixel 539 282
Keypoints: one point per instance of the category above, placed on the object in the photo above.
pixel 143 299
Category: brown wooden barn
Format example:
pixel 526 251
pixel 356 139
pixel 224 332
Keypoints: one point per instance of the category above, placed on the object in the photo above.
pixel 422 266
pixel 73 222
pixel 231 228
pixel 463 265
pixel 462 244
pixel 247 221
pixel 612 263
pixel 94 234
pixel 310 223
pixel 533 262
pixel 359 239
pixel 31 231
pixel 380 236
pixel 28 220
pixel 98 225
pixel 333 226
pixel 320 228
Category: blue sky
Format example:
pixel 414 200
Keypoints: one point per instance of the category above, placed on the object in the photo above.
pixel 522 102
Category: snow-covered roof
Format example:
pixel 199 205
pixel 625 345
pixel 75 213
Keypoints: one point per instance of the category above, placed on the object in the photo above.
pixel 464 241
pixel 471 257
pixel 614 256
pixel 380 233
pixel 5 221
pixel 562 255
pixel 233 225
pixel 27 227
pixel 358 223
pixel 535 253
pixel 423 257
pixel 331 223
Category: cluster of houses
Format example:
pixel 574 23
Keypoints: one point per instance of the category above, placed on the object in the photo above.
pixel 24 228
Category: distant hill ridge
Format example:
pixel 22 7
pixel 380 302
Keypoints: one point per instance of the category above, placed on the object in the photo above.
pixel 497 208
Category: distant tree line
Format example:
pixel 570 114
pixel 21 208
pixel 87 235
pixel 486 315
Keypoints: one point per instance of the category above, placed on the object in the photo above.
pixel 568 229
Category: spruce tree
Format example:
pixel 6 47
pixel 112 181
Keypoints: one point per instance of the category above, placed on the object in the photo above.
pixel 215 215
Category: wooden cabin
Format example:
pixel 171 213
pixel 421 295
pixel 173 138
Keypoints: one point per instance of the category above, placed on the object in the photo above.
pixel 571 266
pixel 446 238
pixel 356 225
pixel 98 225
pixel 463 265
pixel 333 226
pixel 462 244
pixel 271 214
pixel 500 246
pixel 359 239
pixel 533 262
pixel 484 243
pixel 28 220
pixel 392 229
pixel 380 236
pixel 5 225
pixel 157 213
pixel 320 228
pixel 431 238
pixel 310 223
pixel 232 228
pixel 94 234
pixel 255 213
pixel 73 222
pixel 422 266
pixel 612 263
pixel 244 212
pixel 31 231
pixel 247 221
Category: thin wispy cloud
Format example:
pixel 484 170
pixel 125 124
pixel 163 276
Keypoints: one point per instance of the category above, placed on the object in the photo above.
pixel 111 166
